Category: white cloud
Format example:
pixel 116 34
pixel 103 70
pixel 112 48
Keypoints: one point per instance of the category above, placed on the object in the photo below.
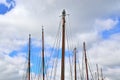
pixel 12 67
pixel 106 24
pixel 106 53
pixel 115 76
pixel 28 16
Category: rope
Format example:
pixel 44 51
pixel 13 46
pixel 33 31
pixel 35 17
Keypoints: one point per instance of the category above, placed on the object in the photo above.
pixel 80 71
pixel 89 66
pixel 53 50
pixel 69 59
pixel 83 65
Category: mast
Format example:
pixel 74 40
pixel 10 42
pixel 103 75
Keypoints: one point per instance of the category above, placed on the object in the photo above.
pixel 75 63
pixel 43 52
pixel 97 71
pixel 29 52
pixel 63 46
pixel 84 47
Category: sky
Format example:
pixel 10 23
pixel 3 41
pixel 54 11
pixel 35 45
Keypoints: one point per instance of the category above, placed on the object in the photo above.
pixel 97 22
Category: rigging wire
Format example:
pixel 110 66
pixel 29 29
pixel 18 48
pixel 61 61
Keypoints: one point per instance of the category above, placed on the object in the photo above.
pixel 69 57
pixel 58 46
pixel 83 66
pixel 52 51
pixel 26 69
pixel 39 59
pixel 89 65
pixel 88 62
pixel 91 72
pixel 56 63
pixel 25 76
pixel 80 70
pixel 71 40
pixel 71 45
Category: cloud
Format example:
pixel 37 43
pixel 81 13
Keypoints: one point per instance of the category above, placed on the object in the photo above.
pixel 106 24
pixel 10 67
pixel 105 53
pixel 87 19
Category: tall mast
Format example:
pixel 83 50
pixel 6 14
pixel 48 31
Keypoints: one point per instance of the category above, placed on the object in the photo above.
pixel 97 71
pixel 75 63
pixel 86 63
pixel 29 51
pixel 63 46
pixel 43 52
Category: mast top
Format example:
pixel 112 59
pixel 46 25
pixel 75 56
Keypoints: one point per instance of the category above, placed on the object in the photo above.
pixel 64 13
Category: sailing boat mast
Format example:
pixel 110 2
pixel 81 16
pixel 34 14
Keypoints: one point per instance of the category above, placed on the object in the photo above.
pixel 63 46
pixel 75 63
pixel 43 52
pixel 86 61
pixel 29 51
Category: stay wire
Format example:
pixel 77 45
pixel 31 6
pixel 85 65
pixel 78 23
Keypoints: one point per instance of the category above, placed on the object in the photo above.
pixel 88 62
pixel 91 72
pixel 39 59
pixel 54 60
pixel 83 65
pixel 47 63
pixel 69 59
pixel 58 46
pixel 69 41
pixel 52 51
pixel 80 71
pixel 89 65
pixel 25 74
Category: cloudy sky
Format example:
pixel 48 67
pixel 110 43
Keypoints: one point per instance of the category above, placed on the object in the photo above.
pixel 94 21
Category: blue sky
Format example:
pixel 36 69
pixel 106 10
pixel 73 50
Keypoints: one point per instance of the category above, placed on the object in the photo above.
pixel 5 8
pixel 88 21
pixel 107 33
